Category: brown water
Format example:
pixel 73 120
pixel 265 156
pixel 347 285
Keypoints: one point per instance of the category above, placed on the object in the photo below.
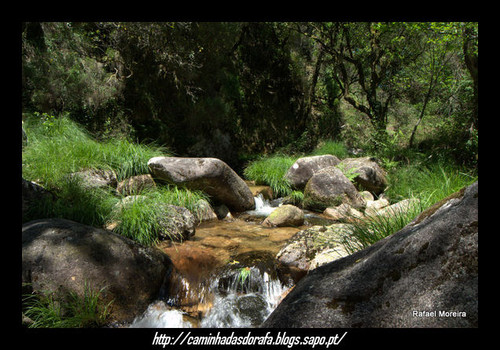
pixel 215 245
pixel 195 286
pixel 216 242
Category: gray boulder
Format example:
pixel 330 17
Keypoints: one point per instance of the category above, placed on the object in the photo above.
pixel 210 175
pixel 425 275
pixel 96 178
pixel 304 168
pixel 371 176
pixel 203 212
pixel 329 187
pixel 285 215
pixel 177 223
pixel 62 256
pixel 135 185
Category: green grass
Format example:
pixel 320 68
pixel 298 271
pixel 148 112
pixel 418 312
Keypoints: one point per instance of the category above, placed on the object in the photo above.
pixel 73 311
pixel 364 232
pixel 431 182
pixel 271 171
pixel 57 147
pixel 141 219
pixel 425 184
pixel 335 148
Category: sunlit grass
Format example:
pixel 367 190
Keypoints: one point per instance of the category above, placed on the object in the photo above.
pixel 271 171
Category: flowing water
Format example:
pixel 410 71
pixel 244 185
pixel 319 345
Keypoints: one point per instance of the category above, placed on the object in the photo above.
pixel 224 276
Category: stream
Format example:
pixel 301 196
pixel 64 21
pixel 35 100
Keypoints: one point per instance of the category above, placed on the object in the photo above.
pixel 225 276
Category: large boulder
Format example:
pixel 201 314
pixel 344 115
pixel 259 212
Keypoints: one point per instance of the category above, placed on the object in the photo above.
pixel 329 187
pixel 304 168
pixel 285 215
pixel 425 275
pixel 62 256
pixel 210 175
pixel 370 176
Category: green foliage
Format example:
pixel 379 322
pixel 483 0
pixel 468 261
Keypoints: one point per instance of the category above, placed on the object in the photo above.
pixel 271 171
pixel 363 233
pixel 424 185
pixel 227 89
pixel 351 174
pixel 59 146
pixel 244 274
pixel 431 182
pixel 141 219
pixel 71 311
pixel 335 148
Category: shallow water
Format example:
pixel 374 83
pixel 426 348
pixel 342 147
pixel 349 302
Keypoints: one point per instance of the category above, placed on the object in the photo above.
pixel 196 297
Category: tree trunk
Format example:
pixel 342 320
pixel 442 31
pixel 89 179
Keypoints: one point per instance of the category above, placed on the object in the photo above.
pixel 422 112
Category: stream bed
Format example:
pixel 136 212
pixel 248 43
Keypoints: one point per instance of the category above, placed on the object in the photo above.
pixel 226 275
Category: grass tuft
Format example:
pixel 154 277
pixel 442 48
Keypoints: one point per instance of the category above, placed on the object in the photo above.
pixel 271 171
pixel 141 219
pixel 334 148
pixel 73 311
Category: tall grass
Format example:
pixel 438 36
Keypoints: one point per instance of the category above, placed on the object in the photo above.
pixel 141 220
pixel 72 311
pixel 58 147
pixel 75 202
pixel 424 185
pixel 431 182
pixel 372 228
pixel 271 171
pixel 335 148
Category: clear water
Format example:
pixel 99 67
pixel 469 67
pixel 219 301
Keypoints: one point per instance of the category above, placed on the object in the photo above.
pixel 204 292
pixel 262 207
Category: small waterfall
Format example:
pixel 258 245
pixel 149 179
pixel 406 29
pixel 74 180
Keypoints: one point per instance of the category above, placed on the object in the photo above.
pixel 262 207
pixel 240 297
pixel 244 303
pixel 160 315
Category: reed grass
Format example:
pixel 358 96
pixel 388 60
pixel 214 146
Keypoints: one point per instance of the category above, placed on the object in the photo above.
pixel 72 311
pixel 271 171
pixel 141 219
pixel 335 148
pixel 57 147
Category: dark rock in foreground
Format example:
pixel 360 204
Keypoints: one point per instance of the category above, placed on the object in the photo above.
pixel 62 256
pixel 425 275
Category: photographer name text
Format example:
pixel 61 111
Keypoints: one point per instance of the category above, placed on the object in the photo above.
pixel 439 313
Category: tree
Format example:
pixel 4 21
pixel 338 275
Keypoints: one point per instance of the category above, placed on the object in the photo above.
pixel 366 57
pixel 432 66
